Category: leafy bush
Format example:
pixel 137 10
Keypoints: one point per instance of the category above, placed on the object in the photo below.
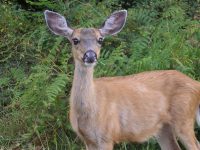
pixel 37 69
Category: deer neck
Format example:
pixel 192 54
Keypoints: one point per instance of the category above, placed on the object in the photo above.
pixel 83 93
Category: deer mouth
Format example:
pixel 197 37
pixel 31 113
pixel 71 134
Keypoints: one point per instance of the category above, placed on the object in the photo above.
pixel 90 64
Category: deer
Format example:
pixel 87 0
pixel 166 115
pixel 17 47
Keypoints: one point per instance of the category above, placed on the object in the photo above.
pixel 159 104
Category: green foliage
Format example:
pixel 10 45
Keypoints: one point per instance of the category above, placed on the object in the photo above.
pixel 36 67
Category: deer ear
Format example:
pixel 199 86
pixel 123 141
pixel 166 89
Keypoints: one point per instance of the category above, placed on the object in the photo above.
pixel 114 23
pixel 57 24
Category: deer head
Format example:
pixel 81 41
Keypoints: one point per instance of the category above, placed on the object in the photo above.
pixel 86 42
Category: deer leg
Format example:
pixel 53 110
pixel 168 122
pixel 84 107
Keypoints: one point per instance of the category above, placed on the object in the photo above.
pixel 187 136
pixel 189 140
pixel 166 139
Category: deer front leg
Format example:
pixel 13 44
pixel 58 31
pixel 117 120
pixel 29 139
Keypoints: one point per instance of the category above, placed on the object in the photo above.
pixel 166 139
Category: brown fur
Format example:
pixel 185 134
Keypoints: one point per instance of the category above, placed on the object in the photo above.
pixel 105 111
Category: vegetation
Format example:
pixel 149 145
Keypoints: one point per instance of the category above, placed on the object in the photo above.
pixel 36 67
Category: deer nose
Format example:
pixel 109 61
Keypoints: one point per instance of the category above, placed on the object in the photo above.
pixel 89 57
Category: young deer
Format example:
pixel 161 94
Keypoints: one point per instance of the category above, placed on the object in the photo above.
pixel 104 111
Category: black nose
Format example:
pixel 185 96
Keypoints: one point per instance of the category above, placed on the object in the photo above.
pixel 90 56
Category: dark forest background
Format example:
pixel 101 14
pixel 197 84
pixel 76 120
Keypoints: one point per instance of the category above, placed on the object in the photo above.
pixel 36 67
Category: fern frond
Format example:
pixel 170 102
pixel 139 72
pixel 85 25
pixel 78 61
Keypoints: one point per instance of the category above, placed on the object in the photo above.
pixel 56 87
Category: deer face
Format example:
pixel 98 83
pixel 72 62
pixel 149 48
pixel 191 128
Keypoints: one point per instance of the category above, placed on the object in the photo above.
pixel 86 42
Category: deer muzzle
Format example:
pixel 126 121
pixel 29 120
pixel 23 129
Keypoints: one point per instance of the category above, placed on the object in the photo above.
pixel 89 57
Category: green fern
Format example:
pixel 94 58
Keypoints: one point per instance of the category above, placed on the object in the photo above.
pixel 56 87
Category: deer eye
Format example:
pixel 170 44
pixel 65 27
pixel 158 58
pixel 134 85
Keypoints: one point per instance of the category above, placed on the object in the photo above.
pixel 100 40
pixel 76 41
